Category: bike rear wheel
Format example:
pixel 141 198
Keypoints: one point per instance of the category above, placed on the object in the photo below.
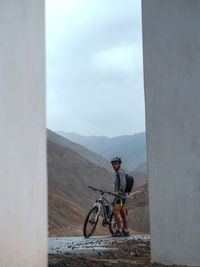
pixel 112 224
pixel 91 222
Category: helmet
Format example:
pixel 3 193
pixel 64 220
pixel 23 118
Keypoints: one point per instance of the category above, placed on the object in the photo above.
pixel 116 159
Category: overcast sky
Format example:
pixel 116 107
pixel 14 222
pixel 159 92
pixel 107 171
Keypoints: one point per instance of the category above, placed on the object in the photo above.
pixel 94 67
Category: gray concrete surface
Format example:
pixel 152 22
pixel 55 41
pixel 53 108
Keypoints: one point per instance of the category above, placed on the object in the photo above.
pixel 23 186
pixel 171 40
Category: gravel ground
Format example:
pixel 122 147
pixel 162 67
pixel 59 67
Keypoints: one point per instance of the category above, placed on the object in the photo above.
pixel 92 245
pixel 100 252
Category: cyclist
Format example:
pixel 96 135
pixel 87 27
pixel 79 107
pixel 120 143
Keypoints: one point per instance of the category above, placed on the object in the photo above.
pixel 119 207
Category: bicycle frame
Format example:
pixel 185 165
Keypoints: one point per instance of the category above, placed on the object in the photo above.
pixel 100 203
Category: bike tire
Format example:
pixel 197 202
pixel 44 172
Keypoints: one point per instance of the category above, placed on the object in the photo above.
pixel 112 224
pixel 91 220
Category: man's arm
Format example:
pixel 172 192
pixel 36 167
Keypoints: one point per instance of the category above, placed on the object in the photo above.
pixel 122 181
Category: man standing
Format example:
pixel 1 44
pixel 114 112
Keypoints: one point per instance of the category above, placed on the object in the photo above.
pixel 119 207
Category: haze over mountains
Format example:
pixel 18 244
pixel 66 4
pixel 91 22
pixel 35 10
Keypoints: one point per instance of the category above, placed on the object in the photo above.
pixel 131 148
pixel 71 168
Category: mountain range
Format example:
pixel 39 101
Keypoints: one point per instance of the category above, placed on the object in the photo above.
pixel 131 148
pixel 71 168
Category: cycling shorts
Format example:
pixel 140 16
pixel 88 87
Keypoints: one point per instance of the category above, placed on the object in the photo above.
pixel 120 201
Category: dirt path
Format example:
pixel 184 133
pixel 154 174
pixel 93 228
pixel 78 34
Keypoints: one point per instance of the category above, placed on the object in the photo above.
pixel 117 252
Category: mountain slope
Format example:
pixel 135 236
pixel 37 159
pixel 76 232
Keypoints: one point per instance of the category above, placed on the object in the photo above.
pixel 132 148
pixel 70 174
pixel 138 209
pixel 65 217
pixel 83 151
pixel 140 178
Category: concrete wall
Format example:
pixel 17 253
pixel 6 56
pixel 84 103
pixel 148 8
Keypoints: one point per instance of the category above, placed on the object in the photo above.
pixel 171 40
pixel 23 187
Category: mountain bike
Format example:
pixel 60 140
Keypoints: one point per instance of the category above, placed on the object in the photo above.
pixel 101 206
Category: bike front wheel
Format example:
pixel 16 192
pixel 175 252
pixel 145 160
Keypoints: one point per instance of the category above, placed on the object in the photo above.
pixel 91 222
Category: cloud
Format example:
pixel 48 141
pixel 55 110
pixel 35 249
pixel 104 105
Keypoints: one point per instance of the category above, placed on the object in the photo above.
pixel 94 66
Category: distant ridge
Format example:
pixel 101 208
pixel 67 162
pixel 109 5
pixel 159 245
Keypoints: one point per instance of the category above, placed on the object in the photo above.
pixel 132 148
pixel 83 151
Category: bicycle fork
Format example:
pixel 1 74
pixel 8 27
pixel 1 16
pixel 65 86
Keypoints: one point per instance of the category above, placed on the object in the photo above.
pixel 98 206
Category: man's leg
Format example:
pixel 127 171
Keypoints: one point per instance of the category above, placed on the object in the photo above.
pixel 116 212
pixel 124 216
pixel 125 220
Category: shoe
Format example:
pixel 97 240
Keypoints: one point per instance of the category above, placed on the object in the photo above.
pixel 118 234
pixel 126 232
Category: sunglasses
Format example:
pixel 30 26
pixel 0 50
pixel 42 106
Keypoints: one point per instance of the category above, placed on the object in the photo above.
pixel 115 163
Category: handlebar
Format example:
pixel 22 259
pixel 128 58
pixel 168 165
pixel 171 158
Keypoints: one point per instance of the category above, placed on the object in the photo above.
pixel 101 191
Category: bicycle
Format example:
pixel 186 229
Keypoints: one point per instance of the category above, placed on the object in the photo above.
pixel 101 204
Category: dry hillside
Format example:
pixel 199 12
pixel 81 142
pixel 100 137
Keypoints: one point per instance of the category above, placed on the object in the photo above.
pixel 69 175
pixel 138 209
pixel 81 150
pixel 65 217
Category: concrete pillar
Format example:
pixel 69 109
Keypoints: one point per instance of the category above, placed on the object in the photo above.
pixel 171 40
pixel 23 183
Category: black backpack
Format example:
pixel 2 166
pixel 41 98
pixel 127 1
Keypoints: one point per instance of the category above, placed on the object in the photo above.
pixel 129 183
